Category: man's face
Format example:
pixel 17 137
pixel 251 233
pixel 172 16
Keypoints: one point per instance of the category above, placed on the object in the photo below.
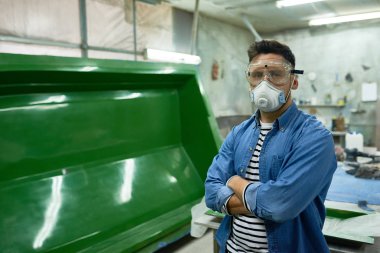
pixel 271 67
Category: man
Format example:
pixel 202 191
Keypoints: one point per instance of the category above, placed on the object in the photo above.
pixel 273 171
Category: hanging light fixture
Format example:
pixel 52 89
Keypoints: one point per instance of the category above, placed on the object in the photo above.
pixel 287 3
pixel 166 56
pixel 346 18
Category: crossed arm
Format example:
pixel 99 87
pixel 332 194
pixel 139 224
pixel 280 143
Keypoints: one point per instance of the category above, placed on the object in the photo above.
pixel 235 203
pixel 305 173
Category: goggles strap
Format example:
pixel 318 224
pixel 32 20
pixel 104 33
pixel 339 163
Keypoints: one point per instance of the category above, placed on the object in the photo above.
pixel 290 89
pixel 296 71
pixel 293 71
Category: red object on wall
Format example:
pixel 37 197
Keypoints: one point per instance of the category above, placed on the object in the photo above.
pixel 215 71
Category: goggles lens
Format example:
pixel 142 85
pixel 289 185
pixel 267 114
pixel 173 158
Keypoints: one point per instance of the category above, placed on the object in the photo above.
pixel 277 73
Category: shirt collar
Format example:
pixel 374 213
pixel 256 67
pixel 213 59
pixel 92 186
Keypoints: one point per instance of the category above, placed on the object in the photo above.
pixel 282 121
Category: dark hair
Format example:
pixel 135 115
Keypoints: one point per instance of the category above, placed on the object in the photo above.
pixel 271 46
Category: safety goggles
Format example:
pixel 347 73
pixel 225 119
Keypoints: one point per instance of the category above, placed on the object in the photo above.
pixel 276 72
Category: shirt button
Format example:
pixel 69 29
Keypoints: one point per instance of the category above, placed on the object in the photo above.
pixel 241 170
pixel 282 129
pixel 250 148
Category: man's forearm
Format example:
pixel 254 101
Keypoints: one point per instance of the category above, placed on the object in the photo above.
pixel 238 184
pixel 235 206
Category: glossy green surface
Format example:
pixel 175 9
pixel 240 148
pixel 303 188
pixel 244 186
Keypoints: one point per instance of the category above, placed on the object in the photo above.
pixel 336 215
pixel 343 213
pixel 99 155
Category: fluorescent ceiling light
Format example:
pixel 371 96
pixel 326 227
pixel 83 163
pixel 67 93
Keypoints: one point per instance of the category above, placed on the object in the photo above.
pixel 347 18
pixel 287 3
pixel 166 56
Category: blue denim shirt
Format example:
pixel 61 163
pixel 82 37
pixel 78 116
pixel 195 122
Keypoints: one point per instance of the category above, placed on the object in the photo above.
pixel 297 162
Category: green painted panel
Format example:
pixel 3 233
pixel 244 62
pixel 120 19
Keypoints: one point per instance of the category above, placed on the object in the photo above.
pixel 334 215
pixel 99 155
pixel 44 132
pixel 90 200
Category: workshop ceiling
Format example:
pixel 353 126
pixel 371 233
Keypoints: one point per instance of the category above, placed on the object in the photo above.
pixel 267 18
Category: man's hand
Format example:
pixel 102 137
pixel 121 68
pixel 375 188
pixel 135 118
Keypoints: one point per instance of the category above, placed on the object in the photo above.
pixel 238 184
pixel 235 204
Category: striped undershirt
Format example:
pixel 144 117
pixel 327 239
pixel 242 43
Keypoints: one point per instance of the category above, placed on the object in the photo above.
pixel 248 231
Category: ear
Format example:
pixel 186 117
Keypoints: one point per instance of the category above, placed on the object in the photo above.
pixel 295 84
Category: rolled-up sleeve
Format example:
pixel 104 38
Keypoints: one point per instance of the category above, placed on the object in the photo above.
pixel 250 192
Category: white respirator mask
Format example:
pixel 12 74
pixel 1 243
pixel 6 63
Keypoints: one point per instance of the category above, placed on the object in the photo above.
pixel 267 97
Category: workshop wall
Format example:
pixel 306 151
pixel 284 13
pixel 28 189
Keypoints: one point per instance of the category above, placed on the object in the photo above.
pixel 40 19
pixel 343 57
pixel 109 24
pixel 223 49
